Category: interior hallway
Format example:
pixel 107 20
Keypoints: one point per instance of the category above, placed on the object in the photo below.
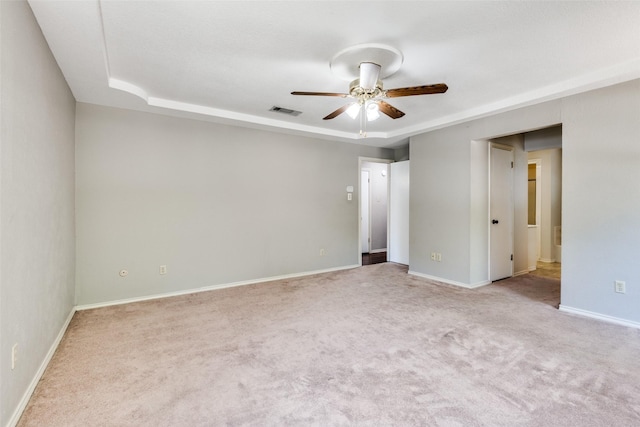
pixel 548 269
pixel 374 258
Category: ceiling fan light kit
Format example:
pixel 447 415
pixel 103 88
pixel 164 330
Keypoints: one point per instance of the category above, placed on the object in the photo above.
pixel 367 89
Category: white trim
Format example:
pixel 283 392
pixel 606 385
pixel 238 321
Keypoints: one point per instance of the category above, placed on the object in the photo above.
pixel 36 379
pixel 599 316
pixel 520 273
pixel 377 251
pixel 547 260
pixel 210 288
pixel 451 282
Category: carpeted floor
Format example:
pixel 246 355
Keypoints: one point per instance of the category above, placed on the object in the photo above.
pixel 370 346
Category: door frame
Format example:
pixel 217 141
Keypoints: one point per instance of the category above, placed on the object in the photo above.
pixel 511 149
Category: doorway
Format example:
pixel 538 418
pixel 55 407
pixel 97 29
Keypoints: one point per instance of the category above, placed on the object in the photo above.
pixel 548 212
pixel 374 208
pixel 537 216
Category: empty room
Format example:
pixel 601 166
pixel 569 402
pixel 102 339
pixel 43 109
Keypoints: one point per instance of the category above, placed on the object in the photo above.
pixel 324 213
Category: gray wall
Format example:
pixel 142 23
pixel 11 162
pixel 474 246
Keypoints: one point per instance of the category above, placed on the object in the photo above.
pixel 600 170
pixel 601 200
pixel 439 204
pixel 216 204
pixel 36 202
pixel 543 139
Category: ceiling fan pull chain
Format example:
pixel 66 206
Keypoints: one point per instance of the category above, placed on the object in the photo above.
pixel 363 120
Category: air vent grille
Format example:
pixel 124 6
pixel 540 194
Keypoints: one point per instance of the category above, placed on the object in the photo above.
pixel 287 111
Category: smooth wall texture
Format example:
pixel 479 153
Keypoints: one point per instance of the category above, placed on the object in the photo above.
pixel 600 197
pixel 601 201
pixel 216 204
pixel 399 212
pixel 449 193
pixel 37 202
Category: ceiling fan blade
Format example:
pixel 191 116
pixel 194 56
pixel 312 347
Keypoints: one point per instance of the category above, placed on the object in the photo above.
pixel 417 90
pixel 337 112
pixel 390 110
pixel 341 95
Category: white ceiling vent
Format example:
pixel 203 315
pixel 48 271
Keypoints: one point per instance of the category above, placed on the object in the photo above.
pixel 285 111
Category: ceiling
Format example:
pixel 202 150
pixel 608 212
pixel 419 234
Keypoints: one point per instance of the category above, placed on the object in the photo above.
pixel 231 61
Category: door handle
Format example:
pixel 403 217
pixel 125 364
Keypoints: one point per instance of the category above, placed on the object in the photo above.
pixel 494 221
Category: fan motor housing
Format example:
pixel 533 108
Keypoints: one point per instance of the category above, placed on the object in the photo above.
pixel 357 91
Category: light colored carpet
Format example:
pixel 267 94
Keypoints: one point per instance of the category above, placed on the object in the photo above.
pixel 369 346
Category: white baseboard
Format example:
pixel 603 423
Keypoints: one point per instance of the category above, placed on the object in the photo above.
pixel 451 282
pixel 533 268
pixel 520 273
pixel 547 260
pixel 599 316
pixel 43 366
pixel 210 288
pixel 377 251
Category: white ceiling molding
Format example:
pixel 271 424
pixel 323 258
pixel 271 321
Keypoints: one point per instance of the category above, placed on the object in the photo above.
pixel 229 62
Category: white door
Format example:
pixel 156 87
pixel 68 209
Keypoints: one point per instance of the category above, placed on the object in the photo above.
pixel 364 211
pixel 399 213
pixel 501 213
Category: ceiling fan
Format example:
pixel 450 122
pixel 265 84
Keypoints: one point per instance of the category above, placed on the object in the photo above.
pixel 368 95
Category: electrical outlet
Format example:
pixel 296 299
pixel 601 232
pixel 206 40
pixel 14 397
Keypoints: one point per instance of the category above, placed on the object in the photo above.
pixel 163 269
pixel 433 256
pixel 438 257
pixel 14 356
pixel 620 287
pixel 322 252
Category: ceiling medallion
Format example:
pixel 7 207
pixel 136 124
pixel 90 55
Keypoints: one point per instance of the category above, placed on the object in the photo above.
pixel 345 64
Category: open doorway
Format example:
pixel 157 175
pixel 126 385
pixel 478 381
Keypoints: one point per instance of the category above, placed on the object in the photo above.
pixel 545 212
pixel 374 207
pixel 537 202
